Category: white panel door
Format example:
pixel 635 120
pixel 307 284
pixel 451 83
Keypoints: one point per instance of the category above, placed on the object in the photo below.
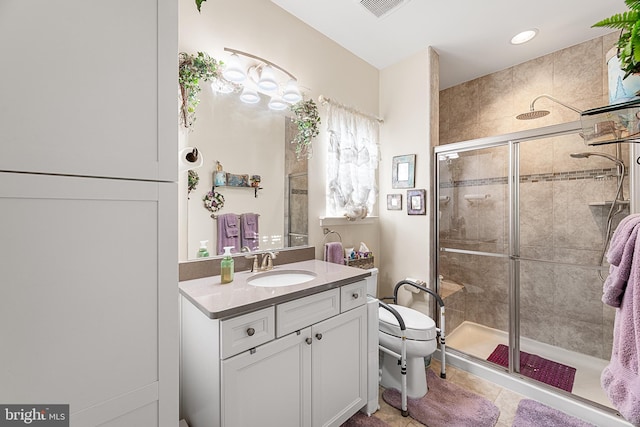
pixel 339 367
pixel 89 87
pixel 270 387
pixel 83 275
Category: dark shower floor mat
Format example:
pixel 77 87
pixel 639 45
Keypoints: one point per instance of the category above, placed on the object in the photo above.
pixel 538 368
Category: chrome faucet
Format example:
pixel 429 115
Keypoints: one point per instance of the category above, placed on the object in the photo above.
pixel 267 260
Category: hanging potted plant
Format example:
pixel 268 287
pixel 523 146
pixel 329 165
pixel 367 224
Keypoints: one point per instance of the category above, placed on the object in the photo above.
pixel 191 70
pixel 307 121
pixel 628 44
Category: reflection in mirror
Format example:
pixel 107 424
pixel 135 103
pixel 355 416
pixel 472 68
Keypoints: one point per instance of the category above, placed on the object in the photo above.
pixel 247 140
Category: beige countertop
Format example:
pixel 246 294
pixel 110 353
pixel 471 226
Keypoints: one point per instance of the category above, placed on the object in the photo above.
pixel 217 301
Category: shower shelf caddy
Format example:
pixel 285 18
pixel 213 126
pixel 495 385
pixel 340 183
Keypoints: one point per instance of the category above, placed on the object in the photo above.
pixel 611 124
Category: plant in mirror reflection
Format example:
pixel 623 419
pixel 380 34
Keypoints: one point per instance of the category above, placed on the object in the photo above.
pixel 192 182
pixel 307 121
pixel 199 4
pixel 192 69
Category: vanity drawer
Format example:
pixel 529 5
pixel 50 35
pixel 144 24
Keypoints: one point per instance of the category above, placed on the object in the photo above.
pixel 247 331
pixel 298 314
pixel 353 295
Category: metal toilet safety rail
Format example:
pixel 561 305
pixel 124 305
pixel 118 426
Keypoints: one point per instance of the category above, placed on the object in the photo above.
pixel 439 333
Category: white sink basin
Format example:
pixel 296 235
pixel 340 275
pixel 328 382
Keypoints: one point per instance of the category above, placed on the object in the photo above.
pixel 276 279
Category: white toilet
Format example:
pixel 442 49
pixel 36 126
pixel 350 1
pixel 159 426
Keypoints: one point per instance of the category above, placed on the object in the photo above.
pixel 421 342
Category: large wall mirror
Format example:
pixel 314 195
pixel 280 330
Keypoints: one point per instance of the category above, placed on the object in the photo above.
pixel 246 139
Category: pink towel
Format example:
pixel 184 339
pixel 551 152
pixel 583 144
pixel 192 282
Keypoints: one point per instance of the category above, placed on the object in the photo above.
pixel 333 252
pixel 621 378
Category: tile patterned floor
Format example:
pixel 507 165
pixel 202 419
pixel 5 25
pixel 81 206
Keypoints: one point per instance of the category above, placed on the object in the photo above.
pixel 506 400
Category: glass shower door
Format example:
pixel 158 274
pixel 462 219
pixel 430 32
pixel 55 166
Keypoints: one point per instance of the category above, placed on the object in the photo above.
pixel 473 241
pixel 520 234
pixel 565 329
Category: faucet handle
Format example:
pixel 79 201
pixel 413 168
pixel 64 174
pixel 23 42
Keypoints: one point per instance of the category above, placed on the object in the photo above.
pixel 254 266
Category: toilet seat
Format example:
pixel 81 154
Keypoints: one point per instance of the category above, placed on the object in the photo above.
pixel 419 327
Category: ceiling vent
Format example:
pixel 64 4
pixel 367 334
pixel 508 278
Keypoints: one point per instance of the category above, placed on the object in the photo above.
pixel 382 8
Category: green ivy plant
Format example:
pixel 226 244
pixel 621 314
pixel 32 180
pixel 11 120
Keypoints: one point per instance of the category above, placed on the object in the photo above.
pixel 199 3
pixel 191 70
pixel 307 121
pixel 192 181
pixel 629 41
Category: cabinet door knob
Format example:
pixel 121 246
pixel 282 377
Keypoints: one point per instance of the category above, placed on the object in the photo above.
pixel 319 336
pixel 308 341
pixel 355 295
pixel 251 331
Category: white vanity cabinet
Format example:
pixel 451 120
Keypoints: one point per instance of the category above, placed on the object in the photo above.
pixel 269 386
pixel 313 373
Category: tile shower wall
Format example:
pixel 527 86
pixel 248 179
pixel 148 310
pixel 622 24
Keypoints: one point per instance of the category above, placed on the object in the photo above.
pixel 297 191
pixel 560 304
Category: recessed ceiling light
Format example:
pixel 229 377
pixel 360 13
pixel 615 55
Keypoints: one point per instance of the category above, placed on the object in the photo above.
pixel 524 36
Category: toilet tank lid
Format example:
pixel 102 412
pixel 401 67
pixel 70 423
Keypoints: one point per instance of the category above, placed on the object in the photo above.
pixel 413 319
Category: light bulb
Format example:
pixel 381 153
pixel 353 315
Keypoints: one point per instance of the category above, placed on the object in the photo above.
pixel 234 72
pixel 291 92
pixel 267 80
pixel 524 36
pixel 277 103
pixel 249 96
pixel 221 86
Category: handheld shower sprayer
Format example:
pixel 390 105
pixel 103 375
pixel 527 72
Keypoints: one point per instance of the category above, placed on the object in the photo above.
pixel 616 202
pixel 619 164
pixel 536 114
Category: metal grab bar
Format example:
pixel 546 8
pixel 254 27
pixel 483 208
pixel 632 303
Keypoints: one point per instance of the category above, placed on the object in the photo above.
pixel 440 331
pixel 403 357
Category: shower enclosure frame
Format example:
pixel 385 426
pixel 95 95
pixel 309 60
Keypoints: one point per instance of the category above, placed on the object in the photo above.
pixel 512 379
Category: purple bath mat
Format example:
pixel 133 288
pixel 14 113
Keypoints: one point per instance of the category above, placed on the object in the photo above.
pixel 446 405
pixel 362 420
pixel 538 368
pixel 534 414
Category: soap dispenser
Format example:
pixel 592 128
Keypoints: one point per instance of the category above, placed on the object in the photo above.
pixel 203 252
pixel 226 266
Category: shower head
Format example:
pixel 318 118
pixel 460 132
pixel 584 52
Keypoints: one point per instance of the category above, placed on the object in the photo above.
pixel 533 114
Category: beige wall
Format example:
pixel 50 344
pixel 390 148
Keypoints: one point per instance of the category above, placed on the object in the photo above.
pixel 406 92
pixel 488 105
pixel 261 28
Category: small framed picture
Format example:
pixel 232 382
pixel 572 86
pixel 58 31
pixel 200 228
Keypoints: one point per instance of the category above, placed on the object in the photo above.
pixel 403 172
pixel 394 202
pixel 416 202
pixel 235 180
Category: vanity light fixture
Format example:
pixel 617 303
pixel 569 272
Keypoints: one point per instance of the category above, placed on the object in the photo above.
pixel 524 36
pixel 257 75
